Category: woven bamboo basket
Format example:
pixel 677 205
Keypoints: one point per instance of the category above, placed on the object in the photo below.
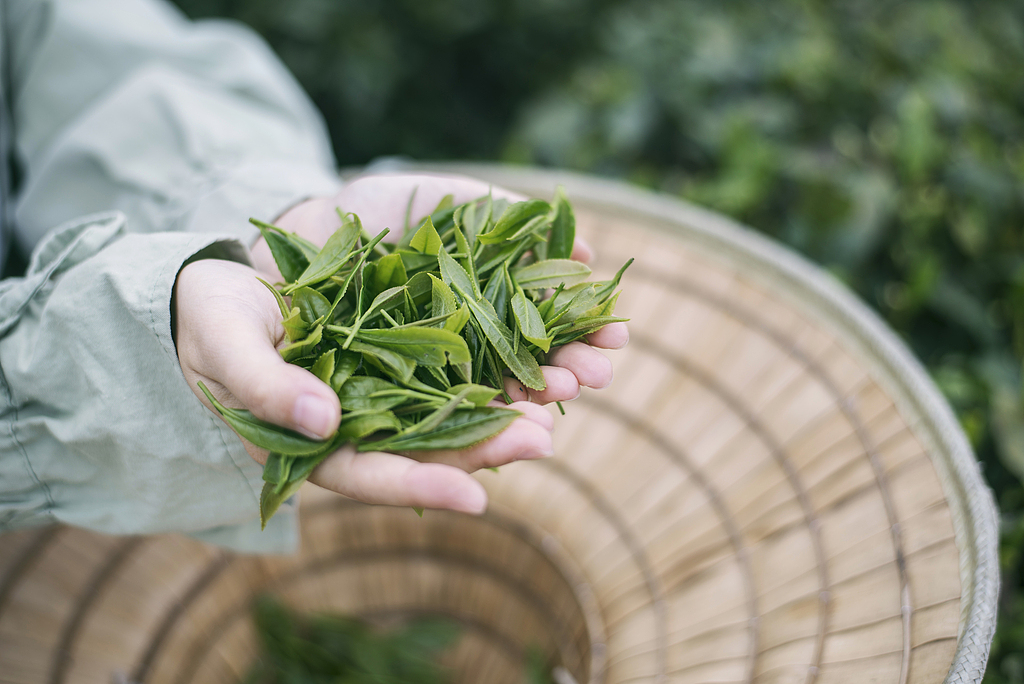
pixel 771 491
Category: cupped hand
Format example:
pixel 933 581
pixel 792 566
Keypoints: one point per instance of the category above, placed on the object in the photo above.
pixel 228 335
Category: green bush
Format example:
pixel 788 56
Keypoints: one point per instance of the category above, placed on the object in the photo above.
pixel 883 139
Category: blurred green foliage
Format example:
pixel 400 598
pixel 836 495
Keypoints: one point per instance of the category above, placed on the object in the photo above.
pixel 883 139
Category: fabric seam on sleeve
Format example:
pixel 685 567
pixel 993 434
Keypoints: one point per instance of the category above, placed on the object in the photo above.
pixel 28 465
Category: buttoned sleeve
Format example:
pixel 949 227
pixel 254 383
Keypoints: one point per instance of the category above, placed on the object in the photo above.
pixel 146 141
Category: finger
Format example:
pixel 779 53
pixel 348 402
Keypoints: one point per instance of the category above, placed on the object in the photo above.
pixel 380 478
pixel 381 200
pixel 523 440
pixel 590 367
pixel 561 385
pixel 581 251
pixel 248 365
pixel 611 336
pixel 533 412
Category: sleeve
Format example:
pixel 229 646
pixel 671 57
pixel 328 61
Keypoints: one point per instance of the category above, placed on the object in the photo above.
pixel 181 126
pixel 177 133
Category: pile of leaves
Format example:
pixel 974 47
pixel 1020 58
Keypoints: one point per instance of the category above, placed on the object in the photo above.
pixel 322 648
pixel 417 337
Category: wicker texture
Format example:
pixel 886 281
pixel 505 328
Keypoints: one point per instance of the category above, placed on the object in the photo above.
pixel 771 491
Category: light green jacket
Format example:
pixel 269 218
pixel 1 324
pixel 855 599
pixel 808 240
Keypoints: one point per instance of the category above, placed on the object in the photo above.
pixel 142 141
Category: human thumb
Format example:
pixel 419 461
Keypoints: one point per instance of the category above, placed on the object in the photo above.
pixel 227 340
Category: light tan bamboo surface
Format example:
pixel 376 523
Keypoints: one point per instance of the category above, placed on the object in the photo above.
pixel 770 491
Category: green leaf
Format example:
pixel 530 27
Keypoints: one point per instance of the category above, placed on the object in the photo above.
pixel 479 395
pixel 460 430
pixel 288 256
pixel 344 368
pixel 513 219
pixel 390 272
pixel 271 499
pixel 563 228
pixel 313 306
pixel 475 218
pixel 385 300
pixel 520 362
pixel 425 346
pixel 551 273
pixel 431 422
pixel 426 240
pixel 294 327
pixel 531 325
pixel 415 262
pixel 277 296
pixel 355 394
pixel 497 293
pixel 304 346
pixel 455 276
pixel 324 367
pixel 457 321
pixel 442 299
pixel 275 470
pixel 358 425
pixel 261 433
pixel 389 361
pixel 564 334
pixel 308 249
pixel 336 251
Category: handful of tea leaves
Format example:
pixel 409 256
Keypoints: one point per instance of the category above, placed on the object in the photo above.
pixel 415 337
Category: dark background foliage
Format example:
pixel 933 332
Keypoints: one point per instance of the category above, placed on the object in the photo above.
pixel 884 139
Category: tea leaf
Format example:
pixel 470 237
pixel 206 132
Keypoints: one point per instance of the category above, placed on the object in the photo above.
pixel 460 430
pixel 426 240
pixel 303 347
pixel 313 306
pixel 390 272
pixel 290 259
pixel 360 424
pixel 336 251
pixel 551 273
pixel 513 219
pixel 355 394
pixel 324 367
pixel 425 346
pixel 521 362
pixel 531 325
pixel 455 276
pixel 563 228
pixel 391 362
pixel 497 293
pixel 261 433
pixel 480 395
pixel 344 368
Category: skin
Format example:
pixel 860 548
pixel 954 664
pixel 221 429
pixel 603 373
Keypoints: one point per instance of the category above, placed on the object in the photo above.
pixel 230 341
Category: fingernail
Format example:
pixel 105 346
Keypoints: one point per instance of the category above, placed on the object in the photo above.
pixel 314 416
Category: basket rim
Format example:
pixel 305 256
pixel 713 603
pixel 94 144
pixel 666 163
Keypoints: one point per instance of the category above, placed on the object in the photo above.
pixel 975 517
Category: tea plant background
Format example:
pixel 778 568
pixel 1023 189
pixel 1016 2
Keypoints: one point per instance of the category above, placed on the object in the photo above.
pixel 883 139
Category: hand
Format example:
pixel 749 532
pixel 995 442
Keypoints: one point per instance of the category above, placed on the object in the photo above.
pixel 228 334
pixel 380 201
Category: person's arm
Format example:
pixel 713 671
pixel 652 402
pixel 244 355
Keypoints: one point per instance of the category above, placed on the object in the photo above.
pixel 187 130
pixel 183 126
